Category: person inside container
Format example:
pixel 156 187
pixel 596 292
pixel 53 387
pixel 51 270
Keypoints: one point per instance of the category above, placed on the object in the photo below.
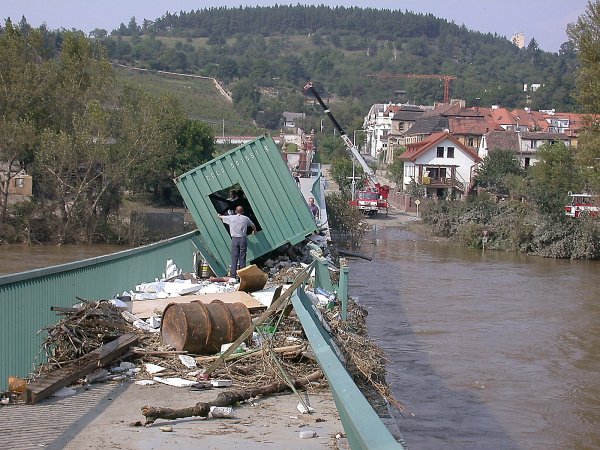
pixel 238 229
pixel 314 209
pixel 233 201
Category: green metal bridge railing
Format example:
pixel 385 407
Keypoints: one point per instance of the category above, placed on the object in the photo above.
pixel 26 297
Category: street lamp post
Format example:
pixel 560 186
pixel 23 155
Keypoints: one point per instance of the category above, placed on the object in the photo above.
pixel 353 165
pixel 354 139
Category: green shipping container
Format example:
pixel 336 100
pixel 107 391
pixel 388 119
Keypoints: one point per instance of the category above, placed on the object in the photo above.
pixel 272 200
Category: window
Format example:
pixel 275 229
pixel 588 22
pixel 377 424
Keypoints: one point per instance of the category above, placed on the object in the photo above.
pixel 450 152
pixel 20 182
pixel 226 200
pixel 527 162
pixel 440 152
pixel 470 142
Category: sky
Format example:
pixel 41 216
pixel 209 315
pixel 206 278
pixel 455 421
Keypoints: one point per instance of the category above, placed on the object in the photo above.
pixel 544 20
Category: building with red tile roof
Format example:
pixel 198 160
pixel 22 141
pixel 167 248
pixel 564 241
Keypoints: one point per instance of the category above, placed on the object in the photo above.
pixel 441 163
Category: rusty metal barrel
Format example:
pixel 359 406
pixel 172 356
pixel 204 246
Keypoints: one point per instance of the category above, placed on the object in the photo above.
pixel 202 328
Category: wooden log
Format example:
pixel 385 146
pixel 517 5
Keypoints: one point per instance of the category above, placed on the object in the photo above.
pixel 288 349
pixel 47 385
pixel 229 398
pixel 60 309
pixel 141 351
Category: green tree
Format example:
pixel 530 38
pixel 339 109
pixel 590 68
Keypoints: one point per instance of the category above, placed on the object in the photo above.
pixel 586 39
pixel 494 170
pixel 342 171
pixel 16 141
pixel 195 145
pixel 396 169
pixel 585 35
pixel 552 177
pixel 246 97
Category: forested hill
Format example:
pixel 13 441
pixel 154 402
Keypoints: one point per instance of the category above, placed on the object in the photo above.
pixel 276 49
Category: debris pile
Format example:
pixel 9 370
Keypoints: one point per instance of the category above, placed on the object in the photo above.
pixel 100 341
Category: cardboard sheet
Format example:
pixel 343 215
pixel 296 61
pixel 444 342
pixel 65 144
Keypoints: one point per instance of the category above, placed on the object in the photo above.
pixel 147 308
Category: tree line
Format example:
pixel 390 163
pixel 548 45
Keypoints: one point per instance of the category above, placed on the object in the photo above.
pixel 85 139
pixel 281 47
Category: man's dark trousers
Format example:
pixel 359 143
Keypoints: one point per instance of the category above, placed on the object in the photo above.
pixel 239 245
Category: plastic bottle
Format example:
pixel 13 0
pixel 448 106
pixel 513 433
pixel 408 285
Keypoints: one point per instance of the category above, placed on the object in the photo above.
pixel 307 434
pixel 221 411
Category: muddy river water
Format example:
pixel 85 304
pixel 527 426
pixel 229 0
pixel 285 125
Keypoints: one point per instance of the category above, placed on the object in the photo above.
pixel 488 350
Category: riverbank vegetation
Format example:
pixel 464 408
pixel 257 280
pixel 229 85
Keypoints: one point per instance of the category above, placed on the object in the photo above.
pixel 86 140
pixel 521 209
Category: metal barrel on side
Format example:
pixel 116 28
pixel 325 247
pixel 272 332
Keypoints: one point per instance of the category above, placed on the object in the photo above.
pixel 202 328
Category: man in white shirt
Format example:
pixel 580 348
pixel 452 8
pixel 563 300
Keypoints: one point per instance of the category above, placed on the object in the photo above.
pixel 238 229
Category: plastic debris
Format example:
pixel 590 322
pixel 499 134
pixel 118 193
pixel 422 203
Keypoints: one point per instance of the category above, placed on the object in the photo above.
pixel 64 392
pixel 241 349
pixel 174 381
pixel 118 303
pixel 221 383
pixel 154 322
pixel 221 411
pixel 140 324
pixel 303 409
pixel 187 361
pixel 307 434
pixel 153 368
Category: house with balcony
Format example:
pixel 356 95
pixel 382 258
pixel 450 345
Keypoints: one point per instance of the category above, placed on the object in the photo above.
pixel 441 164
pixel 566 123
pixel 523 144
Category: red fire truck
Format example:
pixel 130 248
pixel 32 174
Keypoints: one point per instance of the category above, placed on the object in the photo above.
pixel 582 205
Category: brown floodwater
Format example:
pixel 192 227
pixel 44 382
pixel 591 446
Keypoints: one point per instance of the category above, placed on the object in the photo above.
pixel 19 258
pixel 489 350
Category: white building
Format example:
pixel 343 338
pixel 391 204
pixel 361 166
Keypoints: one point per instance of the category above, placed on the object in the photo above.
pixel 441 164
pixel 378 125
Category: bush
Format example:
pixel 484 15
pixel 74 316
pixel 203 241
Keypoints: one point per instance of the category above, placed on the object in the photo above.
pixel 345 222
pixel 586 239
pixel 470 234
pixel 514 226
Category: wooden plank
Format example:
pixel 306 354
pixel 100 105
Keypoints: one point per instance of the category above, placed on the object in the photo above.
pixel 147 308
pixel 46 386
